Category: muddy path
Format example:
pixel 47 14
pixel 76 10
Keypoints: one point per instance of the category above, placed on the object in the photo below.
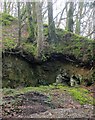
pixel 38 105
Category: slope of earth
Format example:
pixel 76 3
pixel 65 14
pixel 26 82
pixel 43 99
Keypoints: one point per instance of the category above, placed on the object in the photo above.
pixel 47 102
pixel 67 43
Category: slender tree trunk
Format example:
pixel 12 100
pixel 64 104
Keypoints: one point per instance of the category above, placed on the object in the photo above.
pixel 51 25
pixel 70 22
pixel 62 14
pixel 30 22
pixel 19 24
pixel 89 29
pixel 5 7
pixel 34 19
pixel 78 18
pixel 67 3
pixel 94 20
pixel 77 29
pixel 40 36
pixel 9 4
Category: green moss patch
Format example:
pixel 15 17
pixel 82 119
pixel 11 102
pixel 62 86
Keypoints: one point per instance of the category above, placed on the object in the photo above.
pixel 67 43
pixel 79 94
pixel 30 48
pixel 73 44
pixel 6 19
pixel 8 44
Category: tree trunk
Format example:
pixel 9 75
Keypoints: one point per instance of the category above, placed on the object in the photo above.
pixel 9 5
pixel 40 36
pixel 34 19
pixel 70 22
pixel 51 25
pixel 30 22
pixel 78 18
pixel 19 24
pixel 5 7
pixel 65 8
pixel 94 20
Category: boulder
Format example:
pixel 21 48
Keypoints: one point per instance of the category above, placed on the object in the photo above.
pixel 75 80
pixel 63 77
pixel 59 79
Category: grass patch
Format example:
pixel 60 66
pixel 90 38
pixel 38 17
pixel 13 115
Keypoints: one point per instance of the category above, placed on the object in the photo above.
pixel 79 94
pixel 13 92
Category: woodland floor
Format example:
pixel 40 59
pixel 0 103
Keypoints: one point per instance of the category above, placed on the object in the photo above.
pixel 40 105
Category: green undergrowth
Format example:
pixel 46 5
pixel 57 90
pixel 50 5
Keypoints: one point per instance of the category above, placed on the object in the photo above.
pixel 8 44
pixel 67 43
pixel 79 94
pixel 30 48
pixel 73 44
pixel 6 19
pixel 81 50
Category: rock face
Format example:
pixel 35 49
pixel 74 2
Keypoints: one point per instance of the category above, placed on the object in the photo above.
pixel 17 72
pixel 59 79
pixel 65 78
pixel 75 80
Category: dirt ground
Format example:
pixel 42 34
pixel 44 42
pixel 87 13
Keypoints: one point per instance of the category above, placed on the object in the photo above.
pixel 37 105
